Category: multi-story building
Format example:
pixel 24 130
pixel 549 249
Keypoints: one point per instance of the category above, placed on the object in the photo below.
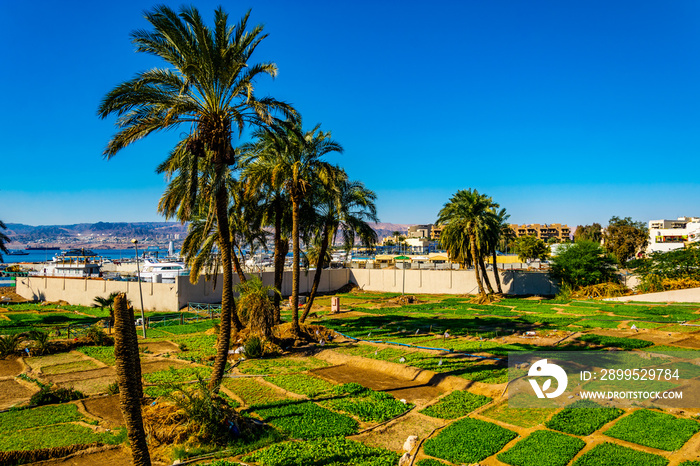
pixel 435 232
pixel 543 232
pixel 419 231
pixel 667 235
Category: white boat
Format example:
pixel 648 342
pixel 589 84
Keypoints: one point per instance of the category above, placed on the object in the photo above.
pixel 163 271
pixel 73 263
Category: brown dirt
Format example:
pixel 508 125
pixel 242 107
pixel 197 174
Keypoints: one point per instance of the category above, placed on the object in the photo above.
pixel 82 375
pixel 13 393
pixel 106 408
pixel 400 388
pixel 154 365
pixel 11 367
pixel 160 347
pixel 393 435
pixel 9 292
pixel 690 342
pixel 111 457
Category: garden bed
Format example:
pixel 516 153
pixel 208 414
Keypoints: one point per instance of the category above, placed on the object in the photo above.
pixel 106 408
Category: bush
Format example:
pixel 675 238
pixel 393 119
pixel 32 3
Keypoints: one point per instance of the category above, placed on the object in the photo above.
pixel 582 264
pixel 543 448
pixel 9 345
pixel 97 336
pixel 254 347
pixel 49 396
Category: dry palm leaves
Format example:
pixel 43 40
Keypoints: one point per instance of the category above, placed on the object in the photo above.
pixel 602 290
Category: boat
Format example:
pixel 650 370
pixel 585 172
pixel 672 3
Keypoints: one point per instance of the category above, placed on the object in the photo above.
pixel 71 254
pixel 162 271
pixel 42 248
pixel 17 253
pixel 73 263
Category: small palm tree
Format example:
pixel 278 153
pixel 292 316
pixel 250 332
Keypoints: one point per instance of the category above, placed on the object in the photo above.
pixel 41 343
pixel 107 302
pixel 469 212
pixel 256 306
pixel 9 345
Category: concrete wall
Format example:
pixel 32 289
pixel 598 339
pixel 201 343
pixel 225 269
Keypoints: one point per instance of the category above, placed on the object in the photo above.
pixel 450 281
pixel 82 291
pixel 167 297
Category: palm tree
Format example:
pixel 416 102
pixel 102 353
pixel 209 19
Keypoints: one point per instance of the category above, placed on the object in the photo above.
pixel 107 302
pixel 209 89
pixel 345 208
pixel 295 166
pixel 3 240
pixel 467 214
pixel 495 231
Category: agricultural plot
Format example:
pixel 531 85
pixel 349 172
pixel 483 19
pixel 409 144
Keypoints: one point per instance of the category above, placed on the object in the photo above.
pixel 456 404
pixel 543 448
pixel 612 454
pixel 365 404
pixel 468 441
pixel 583 418
pixel 654 429
pixel 306 420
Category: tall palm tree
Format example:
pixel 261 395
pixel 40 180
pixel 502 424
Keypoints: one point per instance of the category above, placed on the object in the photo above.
pixel 469 212
pixel 496 232
pixel 295 167
pixel 209 89
pixel 345 208
pixel 4 239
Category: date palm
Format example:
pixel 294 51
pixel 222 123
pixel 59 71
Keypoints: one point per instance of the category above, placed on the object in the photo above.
pixel 208 88
pixel 344 208
pixel 295 166
pixel 4 239
pixel 497 231
pixel 467 215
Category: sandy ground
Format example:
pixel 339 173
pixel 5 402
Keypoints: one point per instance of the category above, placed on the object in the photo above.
pixel 106 408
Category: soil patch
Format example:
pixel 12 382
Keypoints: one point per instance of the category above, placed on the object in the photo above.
pixel 400 388
pixel 83 375
pixel 105 407
pixel 10 367
pixel 691 342
pixel 155 365
pixel 160 347
pixel 13 392
pixel 111 457
pixel 393 435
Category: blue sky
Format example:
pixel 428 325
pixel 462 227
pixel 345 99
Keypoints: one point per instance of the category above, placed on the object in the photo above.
pixel 564 112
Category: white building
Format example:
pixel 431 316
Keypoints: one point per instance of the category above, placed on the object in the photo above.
pixel 667 235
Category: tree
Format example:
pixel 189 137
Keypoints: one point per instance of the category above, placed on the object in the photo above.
pixel 128 368
pixel 256 306
pixel 4 239
pixel 581 264
pixel 589 233
pixel 497 230
pixel 625 238
pixel 466 216
pixel 530 247
pixel 346 208
pixel 107 302
pixel 209 89
pixel 296 166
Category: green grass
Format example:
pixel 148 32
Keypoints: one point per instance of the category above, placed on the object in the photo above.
pixel 306 420
pixel 543 448
pixel 456 404
pixel 523 417
pixel 583 418
pixel 20 419
pixel 60 435
pixel 610 454
pixel 323 451
pixel 253 392
pixel 364 403
pixel 302 384
pixel 654 429
pixel 200 348
pixel 468 441
pixel 172 375
pixel 280 365
pixel 104 354
pixel 616 342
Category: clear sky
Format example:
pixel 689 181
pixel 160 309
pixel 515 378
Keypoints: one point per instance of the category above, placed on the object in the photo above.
pixel 561 111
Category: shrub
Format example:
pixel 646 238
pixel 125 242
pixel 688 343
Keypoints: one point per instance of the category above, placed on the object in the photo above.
pixel 543 448
pixel 582 264
pixel 49 396
pixel 610 453
pixel 583 418
pixel 456 404
pixel 97 336
pixel 9 345
pixel 254 347
pixel 468 441
pixel 654 429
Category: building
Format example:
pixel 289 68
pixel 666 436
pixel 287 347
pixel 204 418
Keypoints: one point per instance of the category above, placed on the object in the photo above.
pixel 419 231
pixel 435 232
pixel 667 235
pixel 543 232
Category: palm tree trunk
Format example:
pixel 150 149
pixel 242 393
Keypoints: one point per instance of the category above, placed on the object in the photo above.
pixel 486 276
pixel 319 270
pixel 237 264
pixel 475 262
pixel 295 267
pixel 496 273
pixel 228 305
pixel 279 259
pixel 128 367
